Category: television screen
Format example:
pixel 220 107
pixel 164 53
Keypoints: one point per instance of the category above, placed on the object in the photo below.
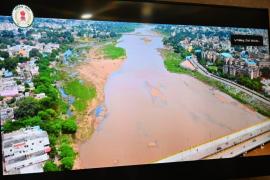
pixel 80 94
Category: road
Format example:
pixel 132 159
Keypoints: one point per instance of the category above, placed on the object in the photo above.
pixel 242 147
pixel 260 132
pixel 244 89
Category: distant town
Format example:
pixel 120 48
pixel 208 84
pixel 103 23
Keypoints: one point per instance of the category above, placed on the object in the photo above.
pixel 38 123
pixel 248 66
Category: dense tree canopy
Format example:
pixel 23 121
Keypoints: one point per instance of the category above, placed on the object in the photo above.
pixel 66 151
pixel 52 127
pixel 67 163
pixel 69 126
pixel 48 114
pixel 34 53
pixel 254 84
pixel 10 126
pixel 27 107
pixel 50 166
pixel 4 54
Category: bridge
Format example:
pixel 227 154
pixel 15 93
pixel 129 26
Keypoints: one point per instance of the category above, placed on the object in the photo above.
pixel 226 147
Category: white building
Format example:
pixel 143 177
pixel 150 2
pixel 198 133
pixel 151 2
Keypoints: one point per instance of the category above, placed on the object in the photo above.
pixel 6 114
pixel 8 87
pixel 25 150
pixel 266 89
pixel 40 96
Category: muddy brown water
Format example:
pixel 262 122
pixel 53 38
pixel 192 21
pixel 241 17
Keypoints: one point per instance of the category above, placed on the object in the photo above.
pixel 153 113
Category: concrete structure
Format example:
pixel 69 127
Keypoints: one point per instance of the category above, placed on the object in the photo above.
pixel 25 150
pixel 40 96
pixel 239 67
pixel 6 114
pixel 213 147
pixel 243 147
pixel 8 87
pixel 264 63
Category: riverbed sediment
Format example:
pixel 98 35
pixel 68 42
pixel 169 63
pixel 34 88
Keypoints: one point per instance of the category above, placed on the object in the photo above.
pixel 95 71
pixel 152 113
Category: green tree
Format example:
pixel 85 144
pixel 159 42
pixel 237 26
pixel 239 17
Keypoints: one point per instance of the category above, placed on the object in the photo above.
pixel 67 163
pixel 47 114
pixel 34 53
pixel 4 54
pixel 52 139
pixel 47 103
pixel 10 63
pixel 66 151
pixel 52 127
pixel 26 85
pixel 69 126
pixel 27 107
pixel 53 152
pixel 65 139
pixel 50 166
pixel 10 126
pixel 254 84
pixel 7 34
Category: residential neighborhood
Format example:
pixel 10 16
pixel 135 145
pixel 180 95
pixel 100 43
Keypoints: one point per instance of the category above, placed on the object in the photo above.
pixel 37 122
pixel 248 66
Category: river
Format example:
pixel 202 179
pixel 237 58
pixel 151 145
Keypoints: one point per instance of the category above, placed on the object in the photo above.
pixel 152 113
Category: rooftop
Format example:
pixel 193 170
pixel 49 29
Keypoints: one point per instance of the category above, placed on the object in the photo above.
pixel 226 55
pixel 249 61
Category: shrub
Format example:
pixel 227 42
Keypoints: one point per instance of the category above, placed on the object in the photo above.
pixel 69 126
pixel 67 163
pixel 50 166
pixel 66 151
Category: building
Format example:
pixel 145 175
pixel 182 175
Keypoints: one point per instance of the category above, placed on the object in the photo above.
pixel 8 74
pixel 8 87
pixel 266 90
pixel 25 150
pixel 253 72
pixel 240 67
pixel 27 70
pixel 40 96
pixel 6 114
pixel 210 56
pixel 264 63
pixel 266 86
pixel 226 57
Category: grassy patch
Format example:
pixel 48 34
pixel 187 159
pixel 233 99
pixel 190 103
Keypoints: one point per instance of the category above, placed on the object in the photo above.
pixel 113 52
pixel 212 69
pixel 81 92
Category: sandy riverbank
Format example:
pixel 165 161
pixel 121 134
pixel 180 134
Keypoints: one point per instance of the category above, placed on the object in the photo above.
pixel 94 70
pixel 152 113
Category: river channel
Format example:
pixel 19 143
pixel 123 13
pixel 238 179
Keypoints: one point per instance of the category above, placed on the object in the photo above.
pixel 152 113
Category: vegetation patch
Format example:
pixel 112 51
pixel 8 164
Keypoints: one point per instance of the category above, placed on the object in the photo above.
pixel 113 52
pixel 81 92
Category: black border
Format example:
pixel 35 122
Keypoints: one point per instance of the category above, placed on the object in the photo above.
pixel 214 15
